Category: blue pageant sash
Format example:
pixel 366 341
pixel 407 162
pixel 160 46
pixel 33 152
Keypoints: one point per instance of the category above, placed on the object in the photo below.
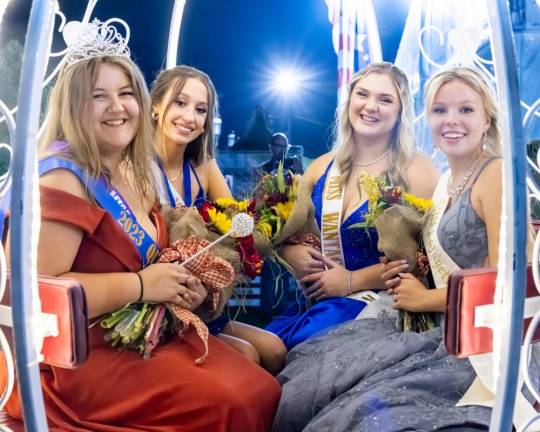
pixel 111 201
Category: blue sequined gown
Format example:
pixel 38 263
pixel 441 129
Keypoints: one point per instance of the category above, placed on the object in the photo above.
pixel 298 322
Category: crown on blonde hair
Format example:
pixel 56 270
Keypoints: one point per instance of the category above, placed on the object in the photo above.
pixel 97 39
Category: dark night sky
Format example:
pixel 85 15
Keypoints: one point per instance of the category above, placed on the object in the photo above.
pixel 237 42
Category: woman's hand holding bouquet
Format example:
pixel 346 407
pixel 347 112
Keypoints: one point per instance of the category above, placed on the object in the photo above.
pixel 398 218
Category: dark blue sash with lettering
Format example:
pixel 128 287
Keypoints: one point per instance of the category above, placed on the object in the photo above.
pixel 111 201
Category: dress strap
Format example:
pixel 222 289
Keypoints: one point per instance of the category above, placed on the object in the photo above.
pixel 486 163
pixel 187 170
pixel 186 180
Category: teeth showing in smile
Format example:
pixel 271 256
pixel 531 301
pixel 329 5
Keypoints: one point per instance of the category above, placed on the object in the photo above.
pixel 368 118
pixel 453 135
pixel 118 122
pixel 183 129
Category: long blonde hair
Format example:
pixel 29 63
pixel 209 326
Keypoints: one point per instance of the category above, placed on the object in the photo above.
pixel 479 83
pixel 402 144
pixel 201 148
pixel 69 118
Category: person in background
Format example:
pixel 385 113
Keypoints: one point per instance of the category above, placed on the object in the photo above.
pixel 278 146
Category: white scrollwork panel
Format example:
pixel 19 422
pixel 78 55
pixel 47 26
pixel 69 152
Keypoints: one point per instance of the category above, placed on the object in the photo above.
pixel 5 182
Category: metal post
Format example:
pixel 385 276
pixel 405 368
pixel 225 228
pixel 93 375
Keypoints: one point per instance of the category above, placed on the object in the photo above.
pixel 174 33
pixel 512 264
pixel 24 234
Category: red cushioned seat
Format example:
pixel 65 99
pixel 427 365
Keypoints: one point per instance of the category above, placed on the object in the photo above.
pixel 13 424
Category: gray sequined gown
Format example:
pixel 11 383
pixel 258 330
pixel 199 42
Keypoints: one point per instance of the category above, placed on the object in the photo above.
pixel 367 376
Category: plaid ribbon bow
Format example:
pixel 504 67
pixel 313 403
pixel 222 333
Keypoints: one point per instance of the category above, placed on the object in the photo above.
pixel 214 272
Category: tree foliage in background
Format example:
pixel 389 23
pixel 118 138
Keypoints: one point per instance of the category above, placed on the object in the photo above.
pixel 10 71
pixel 11 55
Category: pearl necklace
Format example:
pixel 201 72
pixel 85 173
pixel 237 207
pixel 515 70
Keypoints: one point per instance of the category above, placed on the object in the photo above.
pixel 380 158
pixel 454 192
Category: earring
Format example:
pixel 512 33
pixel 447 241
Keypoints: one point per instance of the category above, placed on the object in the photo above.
pixel 484 142
pixel 155 116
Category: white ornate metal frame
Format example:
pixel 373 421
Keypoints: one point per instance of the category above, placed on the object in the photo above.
pixel 510 291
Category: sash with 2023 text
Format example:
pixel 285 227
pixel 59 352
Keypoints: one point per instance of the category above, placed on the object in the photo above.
pixel 331 215
pixel 111 201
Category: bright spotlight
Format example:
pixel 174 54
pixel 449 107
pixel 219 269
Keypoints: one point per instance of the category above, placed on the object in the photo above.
pixel 286 82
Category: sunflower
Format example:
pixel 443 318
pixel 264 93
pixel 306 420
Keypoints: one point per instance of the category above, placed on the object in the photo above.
pixel 420 204
pixel 283 209
pixel 265 228
pixel 231 203
pixel 219 220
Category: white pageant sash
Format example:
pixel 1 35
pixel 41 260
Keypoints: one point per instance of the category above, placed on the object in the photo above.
pixel 332 208
pixel 440 263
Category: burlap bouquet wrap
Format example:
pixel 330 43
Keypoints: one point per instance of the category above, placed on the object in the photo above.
pixel 183 222
pixel 301 221
pixel 399 228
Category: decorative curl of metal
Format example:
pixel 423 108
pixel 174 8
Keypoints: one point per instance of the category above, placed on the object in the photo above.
pixel 5 183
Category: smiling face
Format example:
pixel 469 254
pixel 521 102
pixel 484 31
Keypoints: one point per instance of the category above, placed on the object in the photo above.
pixel 458 119
pixel 374 107
pixel 184 119
pixel 115 111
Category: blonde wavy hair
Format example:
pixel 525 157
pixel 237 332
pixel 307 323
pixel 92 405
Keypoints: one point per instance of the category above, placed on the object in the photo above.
pixel 402 144
pixel 69 119
pixel 479 83
pixel 201 148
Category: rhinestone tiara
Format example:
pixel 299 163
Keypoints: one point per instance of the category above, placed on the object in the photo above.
pixel 97 39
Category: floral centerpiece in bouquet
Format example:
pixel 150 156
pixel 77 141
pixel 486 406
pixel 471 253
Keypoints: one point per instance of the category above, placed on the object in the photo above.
pixel 273 200
pixel 398 217
pixel 218 217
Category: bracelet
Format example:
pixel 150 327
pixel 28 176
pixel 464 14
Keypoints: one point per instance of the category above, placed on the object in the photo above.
pixel 349 286
pixel 142 288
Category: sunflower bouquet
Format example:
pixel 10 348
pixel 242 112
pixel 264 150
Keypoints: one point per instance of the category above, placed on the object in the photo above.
pixel 218 217
pixel 142 326
pixel 273 200
pixel 398 217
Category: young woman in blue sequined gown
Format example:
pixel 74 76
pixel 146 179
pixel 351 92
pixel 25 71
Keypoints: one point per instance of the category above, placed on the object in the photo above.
pixel 373 135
